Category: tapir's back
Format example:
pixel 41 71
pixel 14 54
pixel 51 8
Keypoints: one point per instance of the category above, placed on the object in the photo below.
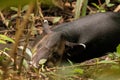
pixel 99 32
pixel 90 26
pixel 87 21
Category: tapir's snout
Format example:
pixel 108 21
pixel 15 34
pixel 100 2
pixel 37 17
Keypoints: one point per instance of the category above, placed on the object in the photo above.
pixel 42 53
pixel 51 43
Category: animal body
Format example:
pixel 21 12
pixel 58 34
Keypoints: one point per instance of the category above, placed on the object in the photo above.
pixel 86 38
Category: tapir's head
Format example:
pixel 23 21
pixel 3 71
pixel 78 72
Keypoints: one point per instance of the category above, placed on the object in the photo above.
pixel 51 43
pixel 52 46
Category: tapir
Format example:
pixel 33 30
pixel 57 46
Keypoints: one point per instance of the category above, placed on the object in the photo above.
pixel 88 37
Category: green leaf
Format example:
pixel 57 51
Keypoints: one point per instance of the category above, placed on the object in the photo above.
pixel 107 1
pixel 110 5
pixel 28 51
pixel 25 8
pixel 56 19
pixel 115 67
pixel 25 64
pixel 6 49
pixel 2 42
pixel 42 61
pixel 117 54
pixel 8 3
pixel 107 61
pixel 94 4
pixel 118 49
pixel 78 71
pixel 14 16
pixel 14 9
pixel 1 72
pixel 34 30
pixel 3 37
pixel 71 63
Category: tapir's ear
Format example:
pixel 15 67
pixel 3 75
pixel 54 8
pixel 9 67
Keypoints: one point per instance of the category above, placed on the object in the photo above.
pixel 71 44
pixel 79 46
pixel 46 27
pixel 83 45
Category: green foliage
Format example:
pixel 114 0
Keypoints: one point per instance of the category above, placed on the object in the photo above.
pixel 100 8
pixel 118 51
pixel 42 61
pixel 81 8
pixel 56 19
pixel 27 51
pixel 108 3
pixel 117 1
pixel 2 42
pixel 47 2
pixel 78 71
pixel 15 9
pixel 24 8
pixel 8 3
pixel 4 38
pixel 70 62
pixel 65 72
pixel 52 3
pixel 107 61
pixel 25 64
pixel 84 8
pixel 78 8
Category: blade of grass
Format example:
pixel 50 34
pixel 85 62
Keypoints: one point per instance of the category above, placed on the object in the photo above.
pixel 84 8
pixel 78 8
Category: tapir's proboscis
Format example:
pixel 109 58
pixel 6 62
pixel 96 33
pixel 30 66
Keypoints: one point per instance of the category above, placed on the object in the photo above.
pixel 86 38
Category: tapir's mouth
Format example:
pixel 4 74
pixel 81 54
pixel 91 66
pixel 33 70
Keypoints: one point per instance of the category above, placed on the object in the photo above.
pixel 42 53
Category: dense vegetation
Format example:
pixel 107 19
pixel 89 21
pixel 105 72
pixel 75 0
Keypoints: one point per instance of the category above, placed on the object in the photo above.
pixel 21 30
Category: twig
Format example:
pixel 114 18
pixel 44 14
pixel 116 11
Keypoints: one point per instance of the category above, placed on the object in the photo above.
pixel 117 9
pixel 24 49
pixel 88 7
pixel 2 52
pixel 3 19
pixel 20 31
pixel 15 30
pixel 99 1
pixel 40 11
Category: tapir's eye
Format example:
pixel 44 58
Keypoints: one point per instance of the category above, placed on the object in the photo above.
pixel 53 47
